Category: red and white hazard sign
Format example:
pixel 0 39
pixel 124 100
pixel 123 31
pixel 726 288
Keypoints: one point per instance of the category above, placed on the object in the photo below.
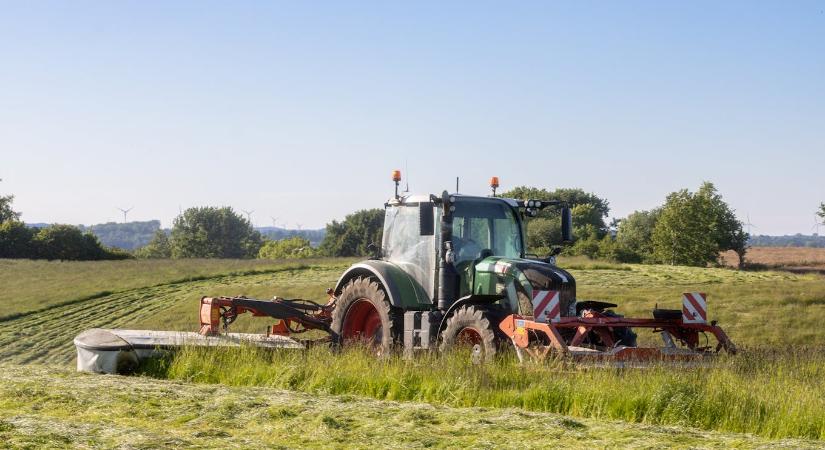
pixel 546 307
pixel 694 307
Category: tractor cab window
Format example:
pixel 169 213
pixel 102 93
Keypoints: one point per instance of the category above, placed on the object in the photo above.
pixel 480 225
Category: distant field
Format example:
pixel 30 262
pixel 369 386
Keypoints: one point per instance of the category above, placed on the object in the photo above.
pixel 778 257
pixel 31 285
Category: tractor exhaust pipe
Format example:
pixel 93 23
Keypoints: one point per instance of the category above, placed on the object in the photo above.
pixel 446 275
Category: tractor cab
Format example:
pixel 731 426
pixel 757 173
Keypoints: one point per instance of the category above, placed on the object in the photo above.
pixel 458 248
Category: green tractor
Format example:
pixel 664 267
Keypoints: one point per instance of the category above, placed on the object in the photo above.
pixel 453 272
pixel 451 267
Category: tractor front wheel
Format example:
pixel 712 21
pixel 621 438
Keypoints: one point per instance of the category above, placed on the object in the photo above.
pixel 363 316
pixel 470 329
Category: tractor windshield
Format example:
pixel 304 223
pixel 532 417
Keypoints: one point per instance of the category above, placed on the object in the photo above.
pixel 480 224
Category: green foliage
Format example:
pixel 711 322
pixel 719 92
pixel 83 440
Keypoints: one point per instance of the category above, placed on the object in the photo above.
pixel 16 240
pixel 352 236
pixel 6 213
pixel 544 231
pixel 294 247
pixel 68 243
pixel 821 212
pixel 543 234
pixel 634 236
pixel 159 247
pixel 210 232
pixel 61 242
pixel 693 228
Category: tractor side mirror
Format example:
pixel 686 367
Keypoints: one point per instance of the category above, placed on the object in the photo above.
pixel 566 225
pixel 426 219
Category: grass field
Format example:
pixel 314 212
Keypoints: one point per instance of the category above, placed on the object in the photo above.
pixel 56 408
pixel 47 304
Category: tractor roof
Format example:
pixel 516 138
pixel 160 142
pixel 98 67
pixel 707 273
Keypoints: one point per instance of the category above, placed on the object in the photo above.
pixel 408 198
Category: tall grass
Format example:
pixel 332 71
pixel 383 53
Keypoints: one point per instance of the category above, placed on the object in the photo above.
pixel 771 394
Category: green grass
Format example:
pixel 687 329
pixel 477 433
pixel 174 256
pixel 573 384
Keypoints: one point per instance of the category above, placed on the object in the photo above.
pixel 33 285
pixel 55 408
pixel 47 304
pixel 46 336
pixel 774 395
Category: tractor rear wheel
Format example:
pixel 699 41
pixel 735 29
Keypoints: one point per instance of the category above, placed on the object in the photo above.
pixel 363 316
pixel 470 329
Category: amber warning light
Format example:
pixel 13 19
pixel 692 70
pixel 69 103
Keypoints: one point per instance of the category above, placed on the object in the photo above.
pixel 396 176
pixel 494 184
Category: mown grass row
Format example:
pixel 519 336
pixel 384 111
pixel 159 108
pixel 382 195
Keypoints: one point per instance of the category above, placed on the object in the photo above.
pixel 46 336
pixel 771 394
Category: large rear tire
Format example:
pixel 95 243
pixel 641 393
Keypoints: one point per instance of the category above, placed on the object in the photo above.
pixel 470 329
pixel 363 316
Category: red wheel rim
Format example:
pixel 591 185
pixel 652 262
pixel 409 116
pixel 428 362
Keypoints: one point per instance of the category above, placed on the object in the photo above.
pixel 363 323
pixel 468 336
pixel 471 338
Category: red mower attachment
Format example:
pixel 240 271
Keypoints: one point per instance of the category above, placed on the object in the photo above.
pixel 294 316
pixel 568 335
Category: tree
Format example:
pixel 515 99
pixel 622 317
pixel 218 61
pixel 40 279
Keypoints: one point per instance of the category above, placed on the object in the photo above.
pixel 544 231
pixel 16 240
pixel 68 243
pixel 159 247
pixel 352 236
pixel 210 232
pixel 693 228
pixel 821 212
pixel 6 213
pixel 634 234
pixel 294 247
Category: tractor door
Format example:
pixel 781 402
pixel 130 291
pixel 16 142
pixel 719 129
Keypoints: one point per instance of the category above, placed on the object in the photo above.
pixel 404 246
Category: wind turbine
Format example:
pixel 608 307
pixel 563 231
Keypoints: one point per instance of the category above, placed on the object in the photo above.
pixel 274 221
pixel 298 225
pixel 125 211
pixel 749 224
pixel 248 215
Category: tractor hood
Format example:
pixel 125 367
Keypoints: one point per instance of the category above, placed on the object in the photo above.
pixel 495 275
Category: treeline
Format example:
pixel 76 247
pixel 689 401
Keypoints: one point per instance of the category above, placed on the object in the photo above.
pixel 63 242
pixel 209 232
pixel 690 228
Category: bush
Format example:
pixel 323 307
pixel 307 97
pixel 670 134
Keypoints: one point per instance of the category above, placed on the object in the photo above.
pixel 159 247
pixel 16 240
pixel 352 236
pixel 294 247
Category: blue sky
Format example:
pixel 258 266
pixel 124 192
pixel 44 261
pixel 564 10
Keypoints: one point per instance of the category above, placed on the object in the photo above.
pixel 300 110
